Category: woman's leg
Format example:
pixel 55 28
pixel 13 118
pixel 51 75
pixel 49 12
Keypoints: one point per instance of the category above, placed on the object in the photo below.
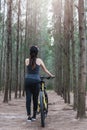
pixel 28 96
pixel 35 99
pixel 28 102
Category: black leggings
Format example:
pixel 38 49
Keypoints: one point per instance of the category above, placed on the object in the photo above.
pixel 31 90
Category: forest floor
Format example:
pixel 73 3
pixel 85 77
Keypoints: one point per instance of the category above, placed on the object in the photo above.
pixel 60 116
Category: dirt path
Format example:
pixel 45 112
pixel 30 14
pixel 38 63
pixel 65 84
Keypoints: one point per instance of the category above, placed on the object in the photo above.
pixel 60 116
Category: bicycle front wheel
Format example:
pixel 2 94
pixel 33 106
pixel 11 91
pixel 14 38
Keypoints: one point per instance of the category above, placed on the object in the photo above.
pixel 42 110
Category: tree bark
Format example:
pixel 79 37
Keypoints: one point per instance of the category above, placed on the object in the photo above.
pixel 8 51
pixel 74 85
pixel 82 63
pixel 67 49
pixel 17 51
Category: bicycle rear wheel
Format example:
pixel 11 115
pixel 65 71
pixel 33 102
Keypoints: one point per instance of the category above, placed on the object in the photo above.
pixel 42 110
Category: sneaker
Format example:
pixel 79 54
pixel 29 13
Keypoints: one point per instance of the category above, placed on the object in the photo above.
pixel 33 118
pixel 29 119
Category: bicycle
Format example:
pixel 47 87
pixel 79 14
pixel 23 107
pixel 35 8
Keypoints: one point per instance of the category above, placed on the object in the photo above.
pixel 43 101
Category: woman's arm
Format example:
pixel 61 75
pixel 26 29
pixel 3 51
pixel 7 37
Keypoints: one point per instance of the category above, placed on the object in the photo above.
pixel 27 61
pixel 45 69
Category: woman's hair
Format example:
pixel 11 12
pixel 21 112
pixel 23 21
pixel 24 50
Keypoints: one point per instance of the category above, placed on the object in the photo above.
pixel 33 56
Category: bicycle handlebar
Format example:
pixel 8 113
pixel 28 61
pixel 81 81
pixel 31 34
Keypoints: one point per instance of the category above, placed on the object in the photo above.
pixel 46 77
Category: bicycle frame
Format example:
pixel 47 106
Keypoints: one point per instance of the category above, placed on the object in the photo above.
pixel 42 90
pixel 43 101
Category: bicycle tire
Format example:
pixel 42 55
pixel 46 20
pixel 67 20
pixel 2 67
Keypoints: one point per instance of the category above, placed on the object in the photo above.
pixel 42 110
pixel 46 98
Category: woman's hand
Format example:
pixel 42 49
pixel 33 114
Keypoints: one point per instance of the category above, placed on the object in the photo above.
pixel 53 76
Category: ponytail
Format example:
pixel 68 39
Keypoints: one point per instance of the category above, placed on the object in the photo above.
pixel 33 61
pixel 33 56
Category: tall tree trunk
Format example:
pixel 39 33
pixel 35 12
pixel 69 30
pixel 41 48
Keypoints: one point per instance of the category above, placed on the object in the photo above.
pixel 58 50
pixel 17 51
pixel 3 48
pixel 8 51
pixel 82 63
pixel 10 62
pixel 67 49
pixel 25 45
pixel 20 82
pixel 73 58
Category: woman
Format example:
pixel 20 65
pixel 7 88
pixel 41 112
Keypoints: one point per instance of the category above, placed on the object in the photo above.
pixel 32 79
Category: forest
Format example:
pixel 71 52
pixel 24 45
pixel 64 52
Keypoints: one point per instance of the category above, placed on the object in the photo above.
pixel 59 29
